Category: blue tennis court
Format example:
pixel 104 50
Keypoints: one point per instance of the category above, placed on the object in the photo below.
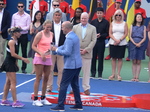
pixel 25 88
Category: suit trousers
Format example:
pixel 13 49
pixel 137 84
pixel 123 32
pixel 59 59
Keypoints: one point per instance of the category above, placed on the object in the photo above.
pixel 98 50
pixel 70 76
pixel 60 66
pixel 86 66
pixel 23 40
pixel 2 49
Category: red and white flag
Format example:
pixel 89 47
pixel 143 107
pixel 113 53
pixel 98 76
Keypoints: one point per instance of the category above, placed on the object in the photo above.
pixel 50 7
pixel 35 8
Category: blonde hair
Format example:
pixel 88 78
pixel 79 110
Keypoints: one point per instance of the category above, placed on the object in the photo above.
pixel 47 22
pixel 11 31
pixel 122 15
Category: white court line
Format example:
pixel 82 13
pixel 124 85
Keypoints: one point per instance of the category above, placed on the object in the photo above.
pixel 22 84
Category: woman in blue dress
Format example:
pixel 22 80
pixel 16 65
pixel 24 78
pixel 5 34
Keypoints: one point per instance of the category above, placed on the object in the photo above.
pixel 136 45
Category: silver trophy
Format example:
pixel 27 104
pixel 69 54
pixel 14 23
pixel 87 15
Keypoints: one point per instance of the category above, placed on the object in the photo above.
pixel 49 51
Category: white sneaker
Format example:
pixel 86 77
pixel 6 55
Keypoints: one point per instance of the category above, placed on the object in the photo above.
pixel 37 103
pixel 45 102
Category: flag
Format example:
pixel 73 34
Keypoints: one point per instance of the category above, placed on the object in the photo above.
pixel 129 10
pixel 93 6
pixel 35 8
pixel 50 6
pixel 110 9
pixel 126 7
pixel 75 4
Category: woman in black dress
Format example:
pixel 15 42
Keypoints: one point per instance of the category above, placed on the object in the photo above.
pixel 76 19
pixel 11 67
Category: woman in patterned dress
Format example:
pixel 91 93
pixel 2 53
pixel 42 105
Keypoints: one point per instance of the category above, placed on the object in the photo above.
pixel 136 45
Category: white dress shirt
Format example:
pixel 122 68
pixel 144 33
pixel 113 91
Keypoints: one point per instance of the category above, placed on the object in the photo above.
pixel 57 29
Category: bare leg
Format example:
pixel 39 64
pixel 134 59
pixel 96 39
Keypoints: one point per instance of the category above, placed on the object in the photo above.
pixel 119 66
pixel 12 80
pixel 134 69
pixel 46 72
pixel 113 63
pixel 6 88
pixel 138 69
pixel 114 66
pixel 39 72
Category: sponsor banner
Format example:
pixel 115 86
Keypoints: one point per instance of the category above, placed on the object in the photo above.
pixel 94 99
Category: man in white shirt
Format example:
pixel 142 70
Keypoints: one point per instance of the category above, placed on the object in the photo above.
pixel 58 40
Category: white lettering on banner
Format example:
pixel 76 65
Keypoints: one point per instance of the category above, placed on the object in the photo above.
pixel 96 104
pixel 70 102
pixel 28 4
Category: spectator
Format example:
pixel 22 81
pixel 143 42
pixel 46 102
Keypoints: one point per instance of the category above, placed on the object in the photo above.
pixel 102 28
pixel 72 66
pixel 35 27
pixel 118 4
pixel 5 22
pixel 136 45
pixel 58 40
pixel 118 31
pixel 22 20
pixel 55 4
pixel 43 7
pixel 64 6
pixel 138 9
pixel 76 19
pixel 42 61
pixel 11 67
pixel 87 36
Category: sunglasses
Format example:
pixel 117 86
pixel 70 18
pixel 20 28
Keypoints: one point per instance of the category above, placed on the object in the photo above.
pixel 1 4
pixel 20 6
pixel 56 5
pixel 118 15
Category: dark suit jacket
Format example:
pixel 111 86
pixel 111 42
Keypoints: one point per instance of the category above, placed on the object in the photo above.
pixel 61 38
pixel 6 21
